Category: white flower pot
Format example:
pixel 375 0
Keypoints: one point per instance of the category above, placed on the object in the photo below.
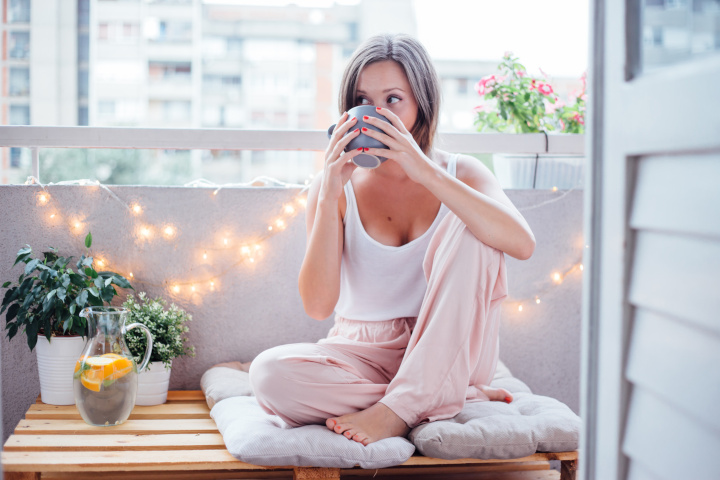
pixel 153 384
pixel 56 361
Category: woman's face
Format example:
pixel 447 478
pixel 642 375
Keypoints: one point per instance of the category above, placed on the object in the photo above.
pixel 384 84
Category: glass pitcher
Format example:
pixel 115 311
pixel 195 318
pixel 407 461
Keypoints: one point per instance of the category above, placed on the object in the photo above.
pixel 105 379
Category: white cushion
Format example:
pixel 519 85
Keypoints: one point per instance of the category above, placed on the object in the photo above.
pixel 253 436
pixel 484 430
pixel 225 380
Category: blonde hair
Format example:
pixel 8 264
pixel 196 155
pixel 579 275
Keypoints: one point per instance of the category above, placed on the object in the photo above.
pixel 415 61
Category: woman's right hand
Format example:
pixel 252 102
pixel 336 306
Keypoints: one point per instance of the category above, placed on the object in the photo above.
pixel 338 163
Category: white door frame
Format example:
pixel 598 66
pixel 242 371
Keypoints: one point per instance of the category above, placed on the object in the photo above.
pixel 630 114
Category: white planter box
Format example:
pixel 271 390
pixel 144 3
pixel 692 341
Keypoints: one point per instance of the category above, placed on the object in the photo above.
pixel 56 364
pixel 518 171
pixel 153 385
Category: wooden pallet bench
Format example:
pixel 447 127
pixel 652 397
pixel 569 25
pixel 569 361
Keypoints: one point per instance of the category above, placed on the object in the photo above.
pixel 179 440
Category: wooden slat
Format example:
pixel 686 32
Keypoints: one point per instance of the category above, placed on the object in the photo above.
pixel 185 396
pixel 158 412
pixel 174 396
pixel 382 474
pixel 666 354
pixel 536 457
pixel 678 276
pixel 455 469
pixel 130 427
pixel 154 475
pixel 669 443
pixel 678 194
pixel 186 441
pixel 168 460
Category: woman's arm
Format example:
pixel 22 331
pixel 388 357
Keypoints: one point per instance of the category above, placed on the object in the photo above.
pixel 319 280
pixel 476 197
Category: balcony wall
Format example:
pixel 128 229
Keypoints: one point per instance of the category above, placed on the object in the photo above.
pixel 256 305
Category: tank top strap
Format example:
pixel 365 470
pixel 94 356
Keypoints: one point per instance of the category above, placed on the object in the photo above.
pixel 350 202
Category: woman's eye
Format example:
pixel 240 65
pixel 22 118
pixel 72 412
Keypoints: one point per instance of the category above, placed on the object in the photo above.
pixel 363 101
pixel 393 99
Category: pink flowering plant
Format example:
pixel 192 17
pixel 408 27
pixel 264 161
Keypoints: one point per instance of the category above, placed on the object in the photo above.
pixel 518 103
pixel 572 117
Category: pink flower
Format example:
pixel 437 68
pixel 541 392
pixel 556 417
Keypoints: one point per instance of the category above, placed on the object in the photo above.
pixel 541 71
pixel 532 85
pixel 579 119
pixel 562 124
pixel 521 74
pixel 479 108
pixel 551 107
pixel 484 86
pixel 545 88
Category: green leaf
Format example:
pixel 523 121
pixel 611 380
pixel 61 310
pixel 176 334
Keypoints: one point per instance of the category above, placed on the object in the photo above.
pixel 72 309
pixel 87 262
pixel 108 281
pixel 12 312
pixel 94 292
pixel 77 280
pixel 31 266
pixel 81 300
pixel 65 279
pixel 23 254
pixel 121 281
pixel 88 240
pixel 6 284
pixel 62 293
pixel 91 272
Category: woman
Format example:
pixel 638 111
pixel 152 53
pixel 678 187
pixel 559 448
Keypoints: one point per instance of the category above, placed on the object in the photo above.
pixel 408 255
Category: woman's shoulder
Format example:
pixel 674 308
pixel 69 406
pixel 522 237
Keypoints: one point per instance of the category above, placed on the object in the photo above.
pixel 466 167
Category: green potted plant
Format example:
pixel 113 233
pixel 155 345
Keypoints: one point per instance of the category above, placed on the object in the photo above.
pixel 168 328
pixel 515 102
pixel 45 304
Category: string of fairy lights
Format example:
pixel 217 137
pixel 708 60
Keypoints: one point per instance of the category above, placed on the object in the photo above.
pixel 249 249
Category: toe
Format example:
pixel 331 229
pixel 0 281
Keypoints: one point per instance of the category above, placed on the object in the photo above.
pixel 359 437
pixel 330 423
pixel 350 433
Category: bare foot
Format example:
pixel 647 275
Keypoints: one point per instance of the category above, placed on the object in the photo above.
pixel 496 394
pixel 370 425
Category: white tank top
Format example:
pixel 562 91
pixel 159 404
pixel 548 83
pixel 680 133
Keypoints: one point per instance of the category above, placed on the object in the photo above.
pixel 380 282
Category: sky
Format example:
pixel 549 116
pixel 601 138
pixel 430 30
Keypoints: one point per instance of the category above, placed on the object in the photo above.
pixel 547 34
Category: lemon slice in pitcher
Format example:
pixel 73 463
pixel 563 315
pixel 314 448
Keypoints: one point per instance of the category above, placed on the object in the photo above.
pixel 103 370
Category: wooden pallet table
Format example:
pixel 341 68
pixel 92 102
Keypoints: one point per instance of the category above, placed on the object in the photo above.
pixel 179 441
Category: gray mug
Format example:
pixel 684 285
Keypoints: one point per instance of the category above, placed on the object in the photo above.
pixel 364 159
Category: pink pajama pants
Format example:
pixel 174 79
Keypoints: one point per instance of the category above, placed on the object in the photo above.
pixel 423 368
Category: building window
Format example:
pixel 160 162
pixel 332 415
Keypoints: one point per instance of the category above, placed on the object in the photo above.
pixel 19 115
pixel 83 120
pixel 170 71
pixel 82 83
pixel 106 109
pixel 19 45
pixel 19 11
pixel 83 13
pixel 462 86
pixel 19 82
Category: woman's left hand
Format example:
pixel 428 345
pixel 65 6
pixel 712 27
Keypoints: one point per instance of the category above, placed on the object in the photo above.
pixel 403 148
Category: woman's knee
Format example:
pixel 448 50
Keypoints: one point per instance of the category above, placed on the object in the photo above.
pixel 266 369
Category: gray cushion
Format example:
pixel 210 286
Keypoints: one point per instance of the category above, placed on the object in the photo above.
pixel 253 436
pixel 497 430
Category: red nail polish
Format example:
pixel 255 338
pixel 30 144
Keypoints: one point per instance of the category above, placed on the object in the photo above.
pixel 367 149
pixel 508 400
pixel 356 130
pixel 365 117
pixel 378 108
pixel 364 129
pixel 360 149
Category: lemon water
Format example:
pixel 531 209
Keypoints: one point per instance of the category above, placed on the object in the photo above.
pixel 104 393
